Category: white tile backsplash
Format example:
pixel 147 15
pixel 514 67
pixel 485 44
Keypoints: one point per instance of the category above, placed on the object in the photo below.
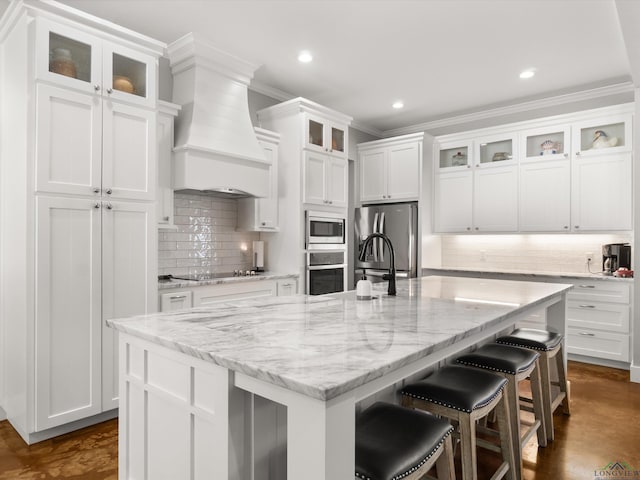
pixel 206 240
pixel 536 253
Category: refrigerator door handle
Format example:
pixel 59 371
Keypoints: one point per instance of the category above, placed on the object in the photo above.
pixel 375 240
pixel 381 243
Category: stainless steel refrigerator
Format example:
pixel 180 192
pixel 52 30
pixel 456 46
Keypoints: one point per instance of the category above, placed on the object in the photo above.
pixel 399 221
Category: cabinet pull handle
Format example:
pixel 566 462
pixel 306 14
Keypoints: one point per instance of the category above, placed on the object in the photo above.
pixel 586 286
pixel 286 284
pixel 587 306
pixel 587 334
pixel 177 297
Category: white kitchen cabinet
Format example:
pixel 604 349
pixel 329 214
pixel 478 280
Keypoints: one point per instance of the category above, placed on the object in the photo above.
pixel 75 59
pixel 602 194
pixel 92 264
pixel 325 135
pixel 286 287
pixel 561 174
pixel 164 189
pixel 78 215
pixel 89 147
pixel 261 214
pixel 223 292
pixel 495 199
pixel 176 300
pixel 390 169
pixel 68 318
pixel 326 180
pixel 545 195
pixel 129 278
pixel 453 200
pixel 598 319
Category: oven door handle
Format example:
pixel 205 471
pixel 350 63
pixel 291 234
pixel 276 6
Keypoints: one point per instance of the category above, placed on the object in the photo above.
pixel 325 267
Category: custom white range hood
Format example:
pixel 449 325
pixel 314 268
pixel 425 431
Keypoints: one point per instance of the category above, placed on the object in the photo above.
pixel 216 149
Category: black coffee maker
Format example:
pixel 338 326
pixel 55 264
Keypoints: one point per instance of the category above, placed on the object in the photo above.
pixel 614 256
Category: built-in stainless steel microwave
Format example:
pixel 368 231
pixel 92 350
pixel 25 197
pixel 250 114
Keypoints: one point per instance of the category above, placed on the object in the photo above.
pixel 324 228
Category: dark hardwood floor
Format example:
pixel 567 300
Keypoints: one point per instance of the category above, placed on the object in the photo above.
pixel 604 427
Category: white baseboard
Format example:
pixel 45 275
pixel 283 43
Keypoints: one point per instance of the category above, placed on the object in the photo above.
pixel 635 373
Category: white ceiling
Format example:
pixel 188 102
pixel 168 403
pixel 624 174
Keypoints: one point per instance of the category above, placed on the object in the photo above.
pixel 441 57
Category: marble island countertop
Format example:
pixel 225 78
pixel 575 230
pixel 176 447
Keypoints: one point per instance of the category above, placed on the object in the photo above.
pixel 230 278
pixel 323 346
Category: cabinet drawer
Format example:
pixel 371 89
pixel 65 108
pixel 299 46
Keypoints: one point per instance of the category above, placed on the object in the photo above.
pixel 611 317
pixel 203 296
pixel 592 343
pixel 172 301
pixel 600 292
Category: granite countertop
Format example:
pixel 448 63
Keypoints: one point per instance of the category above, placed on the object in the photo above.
pixel 178 283
pixel 325 345
pixel 533 276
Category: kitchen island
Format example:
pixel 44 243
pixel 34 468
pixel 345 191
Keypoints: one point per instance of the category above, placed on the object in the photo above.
pixel 185 376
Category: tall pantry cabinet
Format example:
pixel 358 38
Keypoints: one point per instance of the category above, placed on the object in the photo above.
pixel 78 230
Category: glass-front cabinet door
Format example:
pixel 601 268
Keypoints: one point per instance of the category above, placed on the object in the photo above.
pixel 78 60
pixel 496 150
pixel 454 156
pixel 547 143
pixel 606 135
pixel 322 135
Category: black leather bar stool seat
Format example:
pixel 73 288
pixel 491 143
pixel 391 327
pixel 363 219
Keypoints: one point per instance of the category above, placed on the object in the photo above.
pixel 393 442
pixel 550 345
pixel 465 395
pixel 515 364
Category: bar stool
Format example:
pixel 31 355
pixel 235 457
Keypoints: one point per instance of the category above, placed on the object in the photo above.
pixel 515 364
pixel 393 442
pixel 550 346
pixel 465 395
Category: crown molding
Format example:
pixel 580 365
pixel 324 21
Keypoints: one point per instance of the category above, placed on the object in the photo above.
pixel 263 89
pixel 590 94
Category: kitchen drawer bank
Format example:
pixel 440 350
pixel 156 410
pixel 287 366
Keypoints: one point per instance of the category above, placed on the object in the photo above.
pixel 599 313
pixel 180 294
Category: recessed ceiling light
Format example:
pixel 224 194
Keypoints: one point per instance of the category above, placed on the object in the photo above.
pixel 305 57
pixel 398 105
pixel 528 73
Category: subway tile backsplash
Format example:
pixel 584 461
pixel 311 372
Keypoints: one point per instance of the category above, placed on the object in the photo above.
pixel 206 240
pixel 534 253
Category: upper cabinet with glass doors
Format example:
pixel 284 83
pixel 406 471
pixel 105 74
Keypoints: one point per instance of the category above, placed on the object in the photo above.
pixel 323 135
pixel 75 59
pixel 606 135
pixel 496 150
pixel 454 156
pixel 546 143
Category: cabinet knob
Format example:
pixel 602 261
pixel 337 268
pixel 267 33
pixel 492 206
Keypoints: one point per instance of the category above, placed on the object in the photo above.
pixel 166 219
pixel 96 87
pixel 109 91
pixel 96 190
pixel 96 205
pixel 468 228
pixel 477 228
pixel 108 191
pixel 109 206
pixel 566 155
pixel 566 227
pixel 468 166
pixel 577 153
pixel 576 226
pixel 263 223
